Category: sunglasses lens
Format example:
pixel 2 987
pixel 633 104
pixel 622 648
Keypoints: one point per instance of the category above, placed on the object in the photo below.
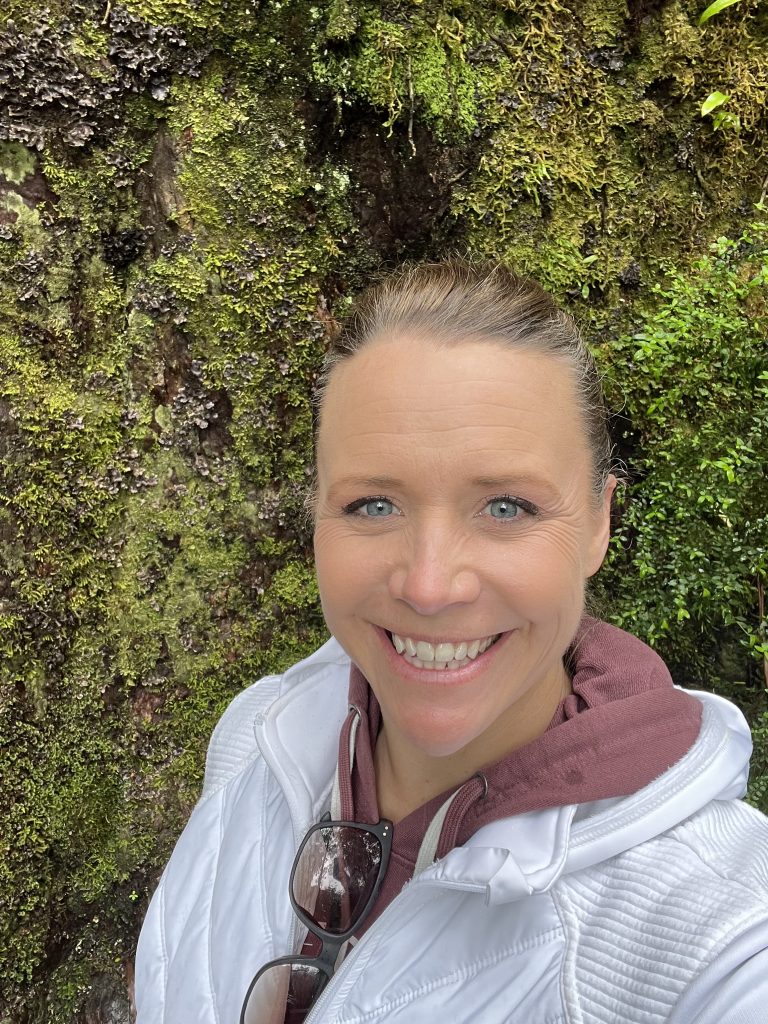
pixel 283 993
pixel 336 874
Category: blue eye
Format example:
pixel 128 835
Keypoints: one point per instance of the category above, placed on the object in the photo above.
pixel 504 508
pixel 375 508
pixel 378 507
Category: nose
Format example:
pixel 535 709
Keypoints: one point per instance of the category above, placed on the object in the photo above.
pixel 431 574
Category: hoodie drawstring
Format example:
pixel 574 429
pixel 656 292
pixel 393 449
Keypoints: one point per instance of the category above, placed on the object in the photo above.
pixel 440 836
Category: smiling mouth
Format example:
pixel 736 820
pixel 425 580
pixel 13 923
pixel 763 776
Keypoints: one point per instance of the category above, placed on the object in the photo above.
pixel 441 656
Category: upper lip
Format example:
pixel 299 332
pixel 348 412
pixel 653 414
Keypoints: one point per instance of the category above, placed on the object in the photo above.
pixel 442 639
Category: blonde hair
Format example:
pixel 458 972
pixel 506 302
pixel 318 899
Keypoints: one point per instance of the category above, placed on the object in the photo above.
pixel 457 300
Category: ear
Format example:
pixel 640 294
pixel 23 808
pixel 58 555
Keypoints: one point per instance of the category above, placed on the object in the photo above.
pixel 601 527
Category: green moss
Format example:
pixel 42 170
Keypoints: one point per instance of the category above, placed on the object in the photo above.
pixel 342 20
pixel 17 163
pixel 26 220
pixel 144 563
pixel 408 69
pixel 209 16
pixel 561 177
pixel 255 259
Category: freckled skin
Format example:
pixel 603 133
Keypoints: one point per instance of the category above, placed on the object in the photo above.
pixel 442 564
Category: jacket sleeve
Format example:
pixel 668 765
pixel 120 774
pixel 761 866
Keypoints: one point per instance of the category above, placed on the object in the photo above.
pixel 734 988
pixel 231 748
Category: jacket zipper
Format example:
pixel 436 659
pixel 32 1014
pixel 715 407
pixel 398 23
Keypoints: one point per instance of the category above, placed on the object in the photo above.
pixel 335 982
pixel 298 834
pixel 328 992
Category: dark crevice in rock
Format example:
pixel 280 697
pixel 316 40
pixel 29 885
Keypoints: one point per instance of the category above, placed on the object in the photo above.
pixel 640 12
pixel 403 181
pixel 157 191
pixel 664 92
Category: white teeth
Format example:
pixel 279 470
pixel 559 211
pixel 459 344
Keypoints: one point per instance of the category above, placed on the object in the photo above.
pixel 425 651
pixel 423 654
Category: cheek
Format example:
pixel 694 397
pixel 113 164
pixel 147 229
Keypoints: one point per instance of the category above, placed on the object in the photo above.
pixel 330 573
pixel 545 574
pixel 344 570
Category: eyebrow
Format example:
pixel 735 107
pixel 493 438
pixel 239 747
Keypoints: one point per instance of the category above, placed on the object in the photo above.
pixel 492 483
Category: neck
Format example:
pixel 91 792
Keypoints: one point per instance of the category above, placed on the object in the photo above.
pixel 406 777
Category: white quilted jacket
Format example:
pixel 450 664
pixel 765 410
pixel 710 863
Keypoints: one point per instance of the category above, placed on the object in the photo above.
pixel 640 909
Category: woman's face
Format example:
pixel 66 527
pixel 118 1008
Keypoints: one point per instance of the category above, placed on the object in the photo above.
pixel 454 506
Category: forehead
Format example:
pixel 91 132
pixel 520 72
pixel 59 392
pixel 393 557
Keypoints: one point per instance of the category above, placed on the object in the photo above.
pixel 438 405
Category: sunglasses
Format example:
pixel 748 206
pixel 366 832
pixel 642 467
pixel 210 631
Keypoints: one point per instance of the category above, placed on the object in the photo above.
pixel 335 879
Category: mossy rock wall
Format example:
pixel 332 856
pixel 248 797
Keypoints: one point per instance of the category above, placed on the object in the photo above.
pixel 189 193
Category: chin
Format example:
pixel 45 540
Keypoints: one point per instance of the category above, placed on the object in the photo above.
pixel 441 740
pixel 443 750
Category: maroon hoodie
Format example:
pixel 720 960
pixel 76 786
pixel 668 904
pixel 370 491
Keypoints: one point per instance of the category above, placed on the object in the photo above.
pixel 623 725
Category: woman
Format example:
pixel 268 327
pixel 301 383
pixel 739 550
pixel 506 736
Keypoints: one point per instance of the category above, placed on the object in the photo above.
pixel 541 828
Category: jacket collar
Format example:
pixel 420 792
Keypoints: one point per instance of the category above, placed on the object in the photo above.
pixel 298 735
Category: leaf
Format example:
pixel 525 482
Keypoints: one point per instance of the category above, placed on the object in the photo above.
pixel 714 100
pixel 715 8
pixel 725 119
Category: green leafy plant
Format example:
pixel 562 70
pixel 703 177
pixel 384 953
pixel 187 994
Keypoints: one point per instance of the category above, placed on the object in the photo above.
pixel 715 8
pixel 722 118
pixel 694 528
pixel 757 793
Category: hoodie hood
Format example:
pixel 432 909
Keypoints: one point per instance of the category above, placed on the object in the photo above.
pixel 622 726
pixel 519 856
